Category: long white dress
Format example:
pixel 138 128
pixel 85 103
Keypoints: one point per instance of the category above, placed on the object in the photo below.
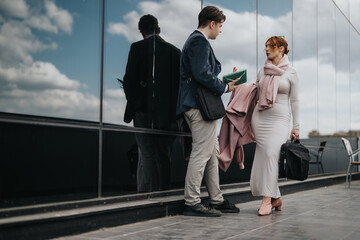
pixel 272 128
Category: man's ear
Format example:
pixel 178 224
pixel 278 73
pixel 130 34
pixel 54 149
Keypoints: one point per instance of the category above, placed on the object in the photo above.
pixel 212 24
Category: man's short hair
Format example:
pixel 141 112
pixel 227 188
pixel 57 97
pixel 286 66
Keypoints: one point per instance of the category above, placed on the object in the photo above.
pixel 209 14
pixel 148 24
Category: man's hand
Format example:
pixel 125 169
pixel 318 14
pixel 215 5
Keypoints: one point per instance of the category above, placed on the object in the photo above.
pixel 231 85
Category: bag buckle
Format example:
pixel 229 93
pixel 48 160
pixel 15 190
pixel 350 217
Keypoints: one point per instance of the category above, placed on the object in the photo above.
pixel 143 83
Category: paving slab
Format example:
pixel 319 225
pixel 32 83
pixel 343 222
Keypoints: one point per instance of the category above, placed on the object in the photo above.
pixel 331 212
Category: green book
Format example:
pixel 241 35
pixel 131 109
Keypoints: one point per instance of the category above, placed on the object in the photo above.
pixel 232 76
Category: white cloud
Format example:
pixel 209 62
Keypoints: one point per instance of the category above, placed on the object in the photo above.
pixel 237 42
pixel 114 106
pixel 177 19
pixel 354 14
pixel 127 29
pixel 323 63
pixel 42 23
pixel 55 19
pixel 61 18
pixel 38 87
pixel 39 75
pixel 17 42
pixel 115 94
pixel 41 88
pixel 14 8
pixel 53 102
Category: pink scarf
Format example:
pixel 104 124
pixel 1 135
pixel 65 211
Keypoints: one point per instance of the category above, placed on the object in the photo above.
pixel 270 83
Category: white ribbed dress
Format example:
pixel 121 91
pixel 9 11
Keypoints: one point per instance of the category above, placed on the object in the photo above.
pixel 272 128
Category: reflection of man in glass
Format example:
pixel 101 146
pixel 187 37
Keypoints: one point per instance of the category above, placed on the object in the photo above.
pixel 151 88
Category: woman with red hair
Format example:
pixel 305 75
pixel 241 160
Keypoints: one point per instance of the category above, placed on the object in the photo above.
pixel 278 85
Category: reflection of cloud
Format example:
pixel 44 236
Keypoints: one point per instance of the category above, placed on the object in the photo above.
pixel 39 75
pixel 127 29
pixel 115 97
pixel 329 27
pixel 327 102
pixel 62 19
pixel 177 19
pixel 17 42
pixel 323 63
pixel 354 7
pixel 52 102
pixel 14 8
pixel 37 87
pixel 115 94
pixel 50 18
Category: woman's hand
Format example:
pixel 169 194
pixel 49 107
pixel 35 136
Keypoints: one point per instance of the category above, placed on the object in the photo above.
pixel 295 134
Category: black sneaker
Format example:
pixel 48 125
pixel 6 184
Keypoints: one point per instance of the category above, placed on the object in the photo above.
pixel 226 207
pixel 201 210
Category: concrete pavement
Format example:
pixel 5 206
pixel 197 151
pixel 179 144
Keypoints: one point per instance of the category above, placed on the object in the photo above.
pixel 324 213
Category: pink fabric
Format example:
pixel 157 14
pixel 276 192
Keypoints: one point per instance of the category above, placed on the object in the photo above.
pixel 236 126
pixel 270 83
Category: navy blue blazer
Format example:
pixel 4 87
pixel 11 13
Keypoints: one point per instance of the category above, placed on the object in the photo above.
pixel 198 61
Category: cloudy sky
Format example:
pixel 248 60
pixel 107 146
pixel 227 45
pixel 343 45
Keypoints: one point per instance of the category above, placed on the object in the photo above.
pixel 50 53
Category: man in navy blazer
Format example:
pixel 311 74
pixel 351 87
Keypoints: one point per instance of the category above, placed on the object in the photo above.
pixel 199 63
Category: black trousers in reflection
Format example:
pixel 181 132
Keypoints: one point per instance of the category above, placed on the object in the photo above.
pixel 153 169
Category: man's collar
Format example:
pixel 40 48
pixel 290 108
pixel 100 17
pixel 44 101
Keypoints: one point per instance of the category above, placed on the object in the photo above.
pixel 202 33
pixel 150 35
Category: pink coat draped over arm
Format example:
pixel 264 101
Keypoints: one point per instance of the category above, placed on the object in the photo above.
pixel 236 126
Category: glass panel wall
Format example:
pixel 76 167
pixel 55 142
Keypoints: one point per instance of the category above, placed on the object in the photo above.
pixel 177 19
pixel 354 6
pixel 327 78
pixel 342 73
pixel 326 69
pixel 355 81
pixel 50 66
pixel 274 18
pixel 45 164
pixel 236 45
pixel 140 161
pixel 343 113
pixel 50 58
pixel 343 6
pixel 306 64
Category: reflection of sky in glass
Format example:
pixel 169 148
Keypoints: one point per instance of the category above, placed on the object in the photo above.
pixel 343 119
pixel 50 52
pixel 355 79
pixel 274 19
pixel 305 62
pixel 49 58
pixel 354 6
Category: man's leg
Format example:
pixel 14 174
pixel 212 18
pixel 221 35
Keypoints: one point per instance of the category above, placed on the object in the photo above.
pixel 203 134
pixel 211 175
pixel 146 170
pixel 163 150
pixel 204 163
